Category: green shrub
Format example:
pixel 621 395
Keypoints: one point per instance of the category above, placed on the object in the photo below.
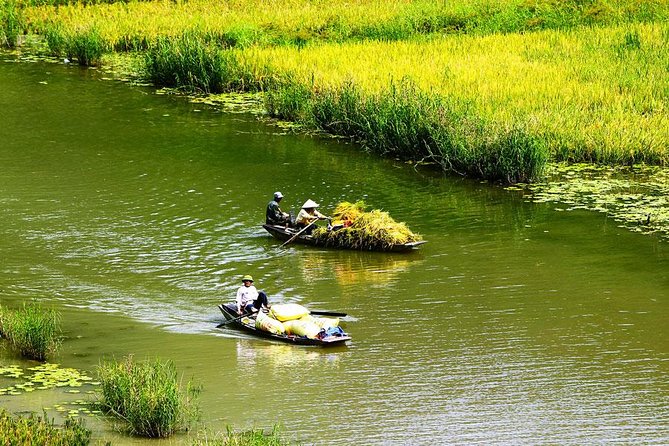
pixel 147 396
pixel 19 431
pixel 32 330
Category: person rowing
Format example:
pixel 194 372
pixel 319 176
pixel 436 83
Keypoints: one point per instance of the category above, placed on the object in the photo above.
pixel 274 215
pixel 249 300
pixel 308 215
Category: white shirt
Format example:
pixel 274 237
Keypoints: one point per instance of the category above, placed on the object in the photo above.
pixel 246 294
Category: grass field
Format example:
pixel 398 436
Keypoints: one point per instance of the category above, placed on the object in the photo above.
pixel 486 89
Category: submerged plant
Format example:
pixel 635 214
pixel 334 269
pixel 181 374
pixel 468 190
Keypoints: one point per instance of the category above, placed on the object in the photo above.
pixel 32 330
pixel 148 396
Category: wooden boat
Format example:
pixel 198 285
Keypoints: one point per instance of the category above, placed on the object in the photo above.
pixel 284 234
pixel 230 313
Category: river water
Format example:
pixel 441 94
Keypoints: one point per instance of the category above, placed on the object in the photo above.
pixel 134 214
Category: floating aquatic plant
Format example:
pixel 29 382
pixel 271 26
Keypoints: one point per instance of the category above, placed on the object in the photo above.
pixel 636 197
pixel 44 376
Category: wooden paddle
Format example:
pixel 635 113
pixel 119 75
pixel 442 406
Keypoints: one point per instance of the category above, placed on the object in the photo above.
pixel 226 322
pixel 327 313
pixel 295 236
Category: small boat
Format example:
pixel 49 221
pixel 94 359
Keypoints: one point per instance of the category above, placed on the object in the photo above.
pixel 248 324
pixel 284 233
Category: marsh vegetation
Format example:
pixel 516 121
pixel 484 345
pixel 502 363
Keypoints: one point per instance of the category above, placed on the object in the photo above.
pixel 491 90
pixel 34 430
pixel 32 330
pixel 147 396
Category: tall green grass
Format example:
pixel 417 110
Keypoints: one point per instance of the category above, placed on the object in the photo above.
pixel 147 396
pixel 11 22
pixel 85 47
pixel 400 122
pixel 32 330
pixel 404 123
pixel 33 430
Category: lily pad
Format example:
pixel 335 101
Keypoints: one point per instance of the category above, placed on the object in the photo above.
pixel 635 196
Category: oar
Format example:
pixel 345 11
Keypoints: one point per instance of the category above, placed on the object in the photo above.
pixel 226 322
pixel 295 236
pixel 327 313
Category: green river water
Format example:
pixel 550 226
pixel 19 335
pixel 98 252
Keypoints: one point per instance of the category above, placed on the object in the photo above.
pixel 135 214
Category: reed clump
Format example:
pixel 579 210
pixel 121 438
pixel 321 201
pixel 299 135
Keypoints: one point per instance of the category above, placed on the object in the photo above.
pixel 11 22
pixel 373 230
pixel 147 396
pixel 35 430
pixel 32 330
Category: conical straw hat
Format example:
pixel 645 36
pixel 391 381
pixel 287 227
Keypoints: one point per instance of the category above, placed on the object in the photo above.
pixel 309 204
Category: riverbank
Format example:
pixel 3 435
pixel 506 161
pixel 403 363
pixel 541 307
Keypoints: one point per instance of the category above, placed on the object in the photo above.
pixel 492 92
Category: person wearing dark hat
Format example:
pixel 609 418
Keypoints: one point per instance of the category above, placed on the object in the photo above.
pixel 274 215
pixel 307 215
pixel 249 300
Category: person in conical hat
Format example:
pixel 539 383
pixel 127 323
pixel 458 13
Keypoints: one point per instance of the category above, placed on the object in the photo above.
pixel 307 215
pixel 274 215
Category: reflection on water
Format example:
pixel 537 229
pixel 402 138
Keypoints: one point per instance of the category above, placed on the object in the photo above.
pixel 136 215
pixel 356 268
pixel 251 353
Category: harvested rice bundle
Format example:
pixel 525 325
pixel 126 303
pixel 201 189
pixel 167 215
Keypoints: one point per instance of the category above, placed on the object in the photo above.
pixel 374 230
pixel 348 212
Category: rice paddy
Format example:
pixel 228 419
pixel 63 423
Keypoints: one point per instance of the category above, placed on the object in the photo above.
pixel 492 90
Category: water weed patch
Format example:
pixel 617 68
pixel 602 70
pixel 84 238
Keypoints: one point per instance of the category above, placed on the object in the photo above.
pixel 43 377
pixel 35 430
pixel 31 330
pixel 147 396
pixel 635 196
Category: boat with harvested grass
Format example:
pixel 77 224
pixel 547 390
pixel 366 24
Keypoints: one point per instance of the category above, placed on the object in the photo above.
pixel 353 228
pixel 327 334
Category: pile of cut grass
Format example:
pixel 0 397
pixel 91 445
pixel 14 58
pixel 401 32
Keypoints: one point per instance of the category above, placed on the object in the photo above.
pixel 375 230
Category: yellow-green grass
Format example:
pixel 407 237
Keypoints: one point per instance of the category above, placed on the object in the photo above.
pixel 34 430
pixel 595 94
pixel 253 437
pixel 32 330
pixel 490 105
pixel 133 24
